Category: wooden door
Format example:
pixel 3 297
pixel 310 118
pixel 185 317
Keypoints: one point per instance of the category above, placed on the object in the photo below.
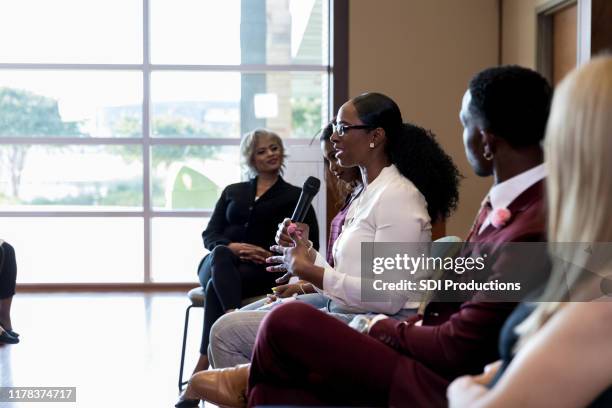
pixel 564 42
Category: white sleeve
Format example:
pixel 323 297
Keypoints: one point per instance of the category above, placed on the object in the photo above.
pixel 321 261
pixel 400 217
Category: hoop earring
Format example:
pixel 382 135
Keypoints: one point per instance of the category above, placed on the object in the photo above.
pixel 488 155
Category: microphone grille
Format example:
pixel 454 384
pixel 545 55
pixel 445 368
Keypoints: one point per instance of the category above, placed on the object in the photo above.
pixel 312 185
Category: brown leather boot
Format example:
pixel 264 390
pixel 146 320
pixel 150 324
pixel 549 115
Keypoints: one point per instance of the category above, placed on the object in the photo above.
pixel 225 387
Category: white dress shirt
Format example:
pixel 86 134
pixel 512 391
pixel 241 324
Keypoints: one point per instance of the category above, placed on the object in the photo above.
pixel 390 209
pixel 502 194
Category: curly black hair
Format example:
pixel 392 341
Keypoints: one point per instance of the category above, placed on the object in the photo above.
pixel 415 152
pixel 420 158
pixel 512 102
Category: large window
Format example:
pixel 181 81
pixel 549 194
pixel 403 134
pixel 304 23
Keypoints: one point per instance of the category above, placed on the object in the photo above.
pixel 120 122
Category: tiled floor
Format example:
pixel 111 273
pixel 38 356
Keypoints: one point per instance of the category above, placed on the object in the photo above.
pixel 119 349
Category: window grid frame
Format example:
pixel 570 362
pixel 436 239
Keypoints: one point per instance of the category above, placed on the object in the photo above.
pixel 147 213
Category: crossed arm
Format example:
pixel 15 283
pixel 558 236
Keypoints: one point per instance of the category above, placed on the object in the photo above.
pixel 568 363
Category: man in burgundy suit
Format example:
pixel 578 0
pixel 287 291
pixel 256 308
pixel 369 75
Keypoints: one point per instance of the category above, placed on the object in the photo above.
pixel 303 357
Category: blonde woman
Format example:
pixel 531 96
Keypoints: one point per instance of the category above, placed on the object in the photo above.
pixel 242 228
pixel 561 354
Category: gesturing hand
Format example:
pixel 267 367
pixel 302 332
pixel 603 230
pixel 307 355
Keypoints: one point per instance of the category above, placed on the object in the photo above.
pixel 293 258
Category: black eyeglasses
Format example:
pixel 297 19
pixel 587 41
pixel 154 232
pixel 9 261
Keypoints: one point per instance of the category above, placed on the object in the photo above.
pixel 342 129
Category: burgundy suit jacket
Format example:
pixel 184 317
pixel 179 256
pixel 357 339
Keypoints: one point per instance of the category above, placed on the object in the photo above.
pixel 457 339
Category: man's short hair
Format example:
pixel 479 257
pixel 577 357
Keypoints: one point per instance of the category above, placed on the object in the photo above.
pixel 511 102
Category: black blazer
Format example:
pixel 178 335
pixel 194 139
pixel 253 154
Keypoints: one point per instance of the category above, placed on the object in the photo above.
pixel 239 218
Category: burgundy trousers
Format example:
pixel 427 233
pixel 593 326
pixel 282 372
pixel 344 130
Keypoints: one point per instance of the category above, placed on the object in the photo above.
pixel 305 357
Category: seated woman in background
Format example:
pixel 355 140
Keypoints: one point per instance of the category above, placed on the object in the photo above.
pixel 232 336
pixel 563 357
pixel 242 226
pixel 8 278
pixel 347 188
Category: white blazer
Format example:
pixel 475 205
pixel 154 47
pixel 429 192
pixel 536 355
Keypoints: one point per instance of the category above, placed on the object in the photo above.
pixel 390 209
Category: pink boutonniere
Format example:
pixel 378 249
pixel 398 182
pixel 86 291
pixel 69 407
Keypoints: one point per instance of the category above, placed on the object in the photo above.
pixel 500 217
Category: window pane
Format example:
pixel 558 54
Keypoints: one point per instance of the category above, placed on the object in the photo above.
pixel 71 31
pixel 177 248
pixel 81 250
pixel 239 31
pixel 195 104
pixel 70 103
pixel 192 177
pixel 70 177
pixel 220 105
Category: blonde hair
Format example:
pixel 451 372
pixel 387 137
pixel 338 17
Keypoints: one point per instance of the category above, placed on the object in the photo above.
pixel 578 148
pixel 247 150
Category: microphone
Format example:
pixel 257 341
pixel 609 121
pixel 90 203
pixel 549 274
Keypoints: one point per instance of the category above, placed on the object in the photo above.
pixel 309 191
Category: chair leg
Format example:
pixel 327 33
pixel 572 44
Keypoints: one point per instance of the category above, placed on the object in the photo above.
pixel 180 382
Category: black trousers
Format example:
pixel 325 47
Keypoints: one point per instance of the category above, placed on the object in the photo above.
pixel 227 280
pixel 8 271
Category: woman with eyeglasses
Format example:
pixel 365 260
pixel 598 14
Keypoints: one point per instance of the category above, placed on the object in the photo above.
pixel 241 230
pixel 408 183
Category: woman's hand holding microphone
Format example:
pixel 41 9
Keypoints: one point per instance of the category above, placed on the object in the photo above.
pixel 296 256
